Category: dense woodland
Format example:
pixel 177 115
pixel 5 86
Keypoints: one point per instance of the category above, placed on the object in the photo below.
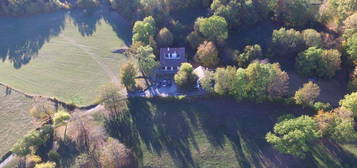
pixel 319 36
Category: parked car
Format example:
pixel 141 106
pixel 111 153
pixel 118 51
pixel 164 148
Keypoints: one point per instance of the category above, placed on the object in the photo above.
pixel 165 83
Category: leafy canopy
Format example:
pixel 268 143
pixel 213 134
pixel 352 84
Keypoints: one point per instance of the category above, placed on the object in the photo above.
pixel 294 136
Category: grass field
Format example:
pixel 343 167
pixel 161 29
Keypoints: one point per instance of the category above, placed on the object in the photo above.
pixel 214 133
pixel 15 120
pixel 67 55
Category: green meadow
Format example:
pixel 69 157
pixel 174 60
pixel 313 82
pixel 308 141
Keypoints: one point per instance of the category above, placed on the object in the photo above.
pixel 67 55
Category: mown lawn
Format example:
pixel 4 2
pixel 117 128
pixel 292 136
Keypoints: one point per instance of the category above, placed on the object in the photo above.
pixel 67 55
pixel 15 120
pixel 214 133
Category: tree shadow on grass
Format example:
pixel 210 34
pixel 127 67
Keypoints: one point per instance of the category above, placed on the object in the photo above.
pixel 22 38
pixel 168 125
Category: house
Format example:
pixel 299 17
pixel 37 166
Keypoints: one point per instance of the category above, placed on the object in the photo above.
pixel 171 59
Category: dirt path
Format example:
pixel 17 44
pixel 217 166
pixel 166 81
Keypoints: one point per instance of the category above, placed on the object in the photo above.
pixel 88 51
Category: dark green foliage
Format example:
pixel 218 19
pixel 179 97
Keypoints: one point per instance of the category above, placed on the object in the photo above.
pixel 294 136
pixel 318 62
pixel 240 13
pixel 295 13
pixel 126 7
pixel 28 7
pixel 194 39
pixel 250 53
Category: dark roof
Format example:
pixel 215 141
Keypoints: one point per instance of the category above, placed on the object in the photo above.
pixel 172 57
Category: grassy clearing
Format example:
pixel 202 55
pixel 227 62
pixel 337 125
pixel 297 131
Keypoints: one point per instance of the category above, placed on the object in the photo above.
pixel 15 120
pixel 70 62
pixel 215 133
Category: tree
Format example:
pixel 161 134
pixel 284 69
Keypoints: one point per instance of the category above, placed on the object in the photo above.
pixel 318 62
pixel 165 38
pixel 143 30
pixel 46 165
pixel 127 7
pixel 224 78
pixel 294 136
pixel 307 94
pixel 207 82
pixel 239 13
pixel 113 101
pixel 343 8
pixel 185 78
pixel 351 48
pixel 116 155
pixel 312 38
pixel 207 54
pixel 42 110
pixel 194 39
pixel 30 142
pixel 214 28
pixel 127 76
pixel 350 102
pixel 87 3
pixel 146 60
pixel 250 53
pixel 295 13
pixel 279 85
pixel 351 22
pixel 61 118
pixel 287 41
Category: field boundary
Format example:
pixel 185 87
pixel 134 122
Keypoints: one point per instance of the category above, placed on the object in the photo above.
pixel 69 106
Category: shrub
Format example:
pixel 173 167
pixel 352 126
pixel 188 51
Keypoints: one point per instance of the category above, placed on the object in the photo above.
pixel 307 94
pixel 322 106
pixel 207 54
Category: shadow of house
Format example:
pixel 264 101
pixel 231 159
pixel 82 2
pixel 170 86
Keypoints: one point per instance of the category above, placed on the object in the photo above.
pixel 22 38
